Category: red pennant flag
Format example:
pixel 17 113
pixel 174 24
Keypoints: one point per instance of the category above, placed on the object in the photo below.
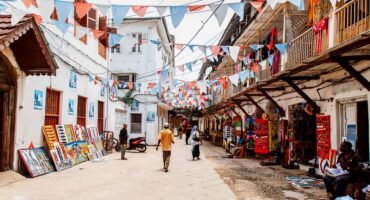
pixel 179 46
pixel 31 146
pixel 254 67
pixel 196 8
pixel 97 34
pixel 215 50
pixel 181 68
pixel 257 5
pixel 139 10
pixel 223 82
pixel 82 9
pixel 28 3
pixel 130 85
pixel 37 18
pixel 151 85
pixel 191 84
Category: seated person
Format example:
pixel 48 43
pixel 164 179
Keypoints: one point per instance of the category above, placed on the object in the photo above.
pixel 336 186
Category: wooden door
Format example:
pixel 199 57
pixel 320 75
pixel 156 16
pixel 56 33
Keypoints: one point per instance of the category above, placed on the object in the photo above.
pixel 81 111
pixel 100 116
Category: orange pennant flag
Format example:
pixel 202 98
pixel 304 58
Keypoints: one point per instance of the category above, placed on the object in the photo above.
pixel 139 10
pixel 215 50
pixel 130 85
pixel 28 3
pixel 254 67
pixel 97 34
pixel 191 84
pixel 151 85
pixel 257 5
pixel 196 8
pixel 37 18
pixel 82 9
pixel 223 82
pixel 179 46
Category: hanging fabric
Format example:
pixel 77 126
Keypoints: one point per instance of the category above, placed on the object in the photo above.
pixel 276 62
pixel 319 29
pixel 311 8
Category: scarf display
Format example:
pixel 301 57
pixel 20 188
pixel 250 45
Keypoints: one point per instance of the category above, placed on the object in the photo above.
pixel 319 29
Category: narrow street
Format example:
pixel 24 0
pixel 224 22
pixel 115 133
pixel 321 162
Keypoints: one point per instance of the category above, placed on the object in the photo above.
pixel 141 177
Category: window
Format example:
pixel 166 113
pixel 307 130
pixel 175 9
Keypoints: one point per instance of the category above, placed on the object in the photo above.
pixel 136 123
pixel 92 17
pixel 127 78
pixel 100 116
pixel 81 111
pixel 52 107
pixel 138 37
pixel 116 48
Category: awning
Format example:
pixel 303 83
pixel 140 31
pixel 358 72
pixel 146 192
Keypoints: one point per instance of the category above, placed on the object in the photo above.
pixel 28 45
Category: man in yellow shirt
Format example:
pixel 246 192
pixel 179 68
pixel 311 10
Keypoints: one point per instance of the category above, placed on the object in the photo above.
pixel 166 137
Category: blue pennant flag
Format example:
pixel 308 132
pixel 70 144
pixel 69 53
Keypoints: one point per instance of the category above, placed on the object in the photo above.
pixel 238 8
pixel 191 47
pixel 243 75
pixel 298 3
pixel 137 86
pixel 225 49
pixel 271 59
pixel 119 12
pixel 114 39
pixel 63 27
pixel 177 14
pixel 189 66
pixel 164 74
pixel 64 8
pixel 245 61
pixel 2 7
pixel 282 47
pixel 156 42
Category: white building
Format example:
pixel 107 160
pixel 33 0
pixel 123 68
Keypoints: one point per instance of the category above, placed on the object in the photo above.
pixel 138 60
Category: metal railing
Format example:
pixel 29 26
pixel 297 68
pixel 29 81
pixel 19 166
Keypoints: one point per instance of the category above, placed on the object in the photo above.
pixel 301 48
pixel 351 20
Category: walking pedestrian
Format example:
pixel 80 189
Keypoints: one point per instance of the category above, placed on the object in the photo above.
pixel 123 136
pixel 188 133
pixel 195 141
pixel 166 138
pixel 179 130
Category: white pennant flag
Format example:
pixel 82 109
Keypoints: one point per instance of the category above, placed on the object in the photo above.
pixel 234 52
pixel 161 10
pixel 46 8
pixel 81 31
pixel 234 79
pixel 104 9
pixel 220 13
pixel 203 49
pixel 17 15
pixel 272 3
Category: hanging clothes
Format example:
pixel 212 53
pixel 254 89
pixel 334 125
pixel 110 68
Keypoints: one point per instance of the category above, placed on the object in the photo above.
pixel 273 38
pixel 319 28
pixel 311 9
pixel 276 62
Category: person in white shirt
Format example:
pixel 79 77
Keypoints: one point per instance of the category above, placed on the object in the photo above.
pixel 195 141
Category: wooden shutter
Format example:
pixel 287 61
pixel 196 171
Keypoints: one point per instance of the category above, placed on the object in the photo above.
pixel 81 111
pixel 52 106
pixel 80 22
pixel 100 116
pixel 92 18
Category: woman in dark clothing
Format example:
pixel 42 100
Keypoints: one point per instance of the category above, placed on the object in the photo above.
pixel 336 186
pixel 188 133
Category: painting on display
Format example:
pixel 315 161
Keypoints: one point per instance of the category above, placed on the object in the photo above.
pixel 38 100
pixel 78 133
pixel 50 136
pixel 69 133
pixel 102 91
pixel 71 106
pixel 150 117
pixel 60 158
pixel 351 135
pixel 73 79
pixel 61 131
pixel 135 105
pixel 77 152
pixel 36 161
pixel 91 110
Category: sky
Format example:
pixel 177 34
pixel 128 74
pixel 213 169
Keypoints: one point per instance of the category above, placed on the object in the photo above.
pixel 192 22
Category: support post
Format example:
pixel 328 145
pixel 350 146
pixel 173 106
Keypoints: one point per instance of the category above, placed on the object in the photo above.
pixel 254 102
pixel 281 110
pixel 355 74
pixel 316 108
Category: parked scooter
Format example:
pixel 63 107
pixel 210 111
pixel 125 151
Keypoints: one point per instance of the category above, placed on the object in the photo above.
pixel 138 144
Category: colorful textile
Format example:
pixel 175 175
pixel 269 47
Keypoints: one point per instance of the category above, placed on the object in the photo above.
pixel 319 27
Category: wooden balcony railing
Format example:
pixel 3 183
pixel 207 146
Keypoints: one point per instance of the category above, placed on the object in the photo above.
pixel 301 48
pixel 351 20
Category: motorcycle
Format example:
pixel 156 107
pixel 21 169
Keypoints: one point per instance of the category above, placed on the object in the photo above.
pixel 138 144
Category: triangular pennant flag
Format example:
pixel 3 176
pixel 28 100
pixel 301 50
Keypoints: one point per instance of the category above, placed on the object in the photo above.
pixel 179 46
pixel 97 34
pixel 225 49
pixel 245 60
pixel 333 3
pixel 164 74
pixel 46 8
pixel 37 18
pixel 193 8
pixel 2 7
pixel 271 59
pixel 119 12
pixel 220 13
pixel 189 66
pixel 297 3
pixel 191 47
pixel 17 15
pixel 28 3
pixel 63 27
pixel 234 51
pixel 181 68
pixel 215 50
pixel 81 31
pixel 257 5
pixel 234 79
pixel 82 9
pixel 282 47
pixel 64 8
pixel 177 14
pixel 31 146
pixel 203 49
pixel 273 3
pixel 243 76
pixel 238 8
pixel 114 39
pixel 223 82
pixel 104 9
pixel 161 10
pixel 139 10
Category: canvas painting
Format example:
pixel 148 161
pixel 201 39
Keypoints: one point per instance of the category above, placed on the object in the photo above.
pixel 135 105
pixel 77 152
pixel 50 136
pixel 36 161
pixel 91 110
pixel 78 133
pixel 150 117
pixel 60 158
pixel 93 152
pixel 69 133
pixel 71 107
pixel 61 131
pixel 73 79
pixel 38 100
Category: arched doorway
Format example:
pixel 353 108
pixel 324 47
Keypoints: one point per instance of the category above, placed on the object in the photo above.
pixel 8 84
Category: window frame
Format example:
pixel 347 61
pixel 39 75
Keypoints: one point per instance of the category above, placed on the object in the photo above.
pixel 136 127
pixel 52 115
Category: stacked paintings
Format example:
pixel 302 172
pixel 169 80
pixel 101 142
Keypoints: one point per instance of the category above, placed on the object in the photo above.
pixel 36 161
pixel 60 158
